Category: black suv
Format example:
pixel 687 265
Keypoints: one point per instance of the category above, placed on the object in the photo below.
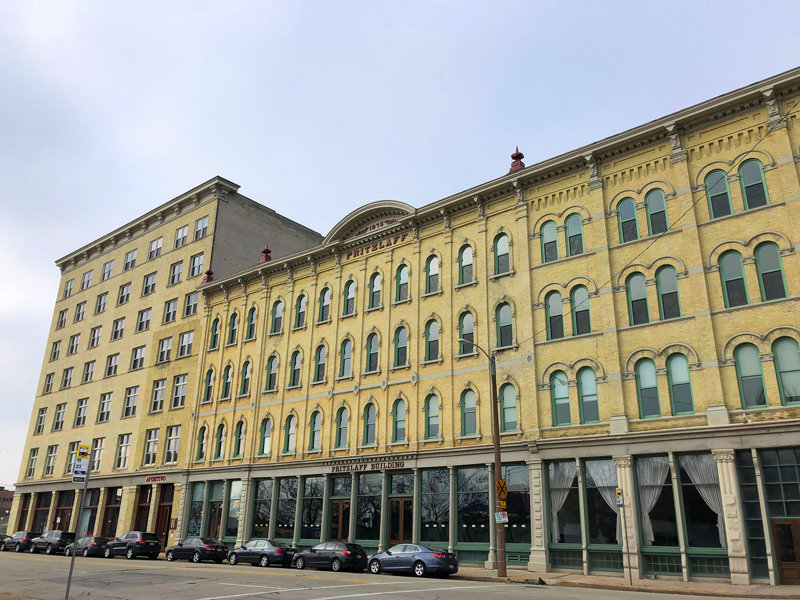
pixel 89 545
pixel 333 555
pixel 52 542
pixel 20 541
pixel 198 549
pixel 133 544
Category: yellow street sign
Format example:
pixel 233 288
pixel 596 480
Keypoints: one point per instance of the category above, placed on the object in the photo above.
pixel 619 492
pixel 502 489
pixel 502 504
pixel 83 451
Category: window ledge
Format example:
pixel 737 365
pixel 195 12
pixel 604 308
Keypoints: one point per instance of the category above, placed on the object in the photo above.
pixel 400 367
pixel 434 361
pixel 472 354
pixel 224 398
pixel 513 346
pixel 245 395
pixel 466 284
pixel 579 425
pixel 265 455
pixel 343 449
pixel 403 301
pixel 325 322
pixel 740 213
pixel 344 377
pixel 217 460
pixel 292 453
pixel 404 442
pixel 673 320
pixel 374 308
pixel 320 382
pixel 181 407
pixel 298 328
pixel 269 391
pixel 250 339
pixel 348 315
pixel 373 446
pixel 375 372
pixel 157 412
pixel 314 452
pixel 230 344
pixel 472 436
pixel 432 440
pixel 294 387
pixel 433 293
pixel 274 333
pixel 496 276
pixel 743 306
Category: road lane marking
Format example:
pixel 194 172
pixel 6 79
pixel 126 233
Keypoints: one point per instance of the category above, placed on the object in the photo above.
pixel 294 589
pixel 270 587
pixel 412 591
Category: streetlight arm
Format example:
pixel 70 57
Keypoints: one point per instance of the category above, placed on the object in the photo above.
pixel 463 341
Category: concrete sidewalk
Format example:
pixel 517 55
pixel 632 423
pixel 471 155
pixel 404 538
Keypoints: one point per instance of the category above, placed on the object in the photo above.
pixel 660 586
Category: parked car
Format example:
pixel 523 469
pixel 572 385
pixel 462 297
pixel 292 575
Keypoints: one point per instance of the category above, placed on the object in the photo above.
pixel 51 542
pixel 263 553
pixel 88 545
pixel 414 558
pixel 133 544
pixel 20 541
pixel 198 549
pixel 335 556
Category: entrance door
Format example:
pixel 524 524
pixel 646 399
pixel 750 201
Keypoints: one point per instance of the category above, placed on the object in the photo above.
pixel 340 521
pixel 401 523
pixel 164 514
pixel 786 535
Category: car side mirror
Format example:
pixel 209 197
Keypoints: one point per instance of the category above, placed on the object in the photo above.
pixel 180 544
pixel 313 549
pixel 389 552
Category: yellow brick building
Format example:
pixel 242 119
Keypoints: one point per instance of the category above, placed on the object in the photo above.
pixel 639 296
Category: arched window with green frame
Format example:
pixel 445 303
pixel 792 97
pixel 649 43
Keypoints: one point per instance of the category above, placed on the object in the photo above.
pixel 680 384
pixel 315 431
pixel 656 206
pixel 289 434
pixel 342 421
pixel 502 254
pixel 579 310
pixel 786 355
pixel 734 286
pixel 469 417
pixel 247 372
pixel 587 396
pixel 554 315
pixel 647 388
pixel 272 373
pixel 219 441
pixel 465 273
pixel 201 443
pixel 238 439
pixel 401 284
pixel 559 396
pixel 770 271
pixel 324 305
pixel 400 347
pixel 432 417
pixel 300 311
pixel 508 407
pixel 372 353
pixel 208 386
pixel 233 325
pixel 636 290
pixel 320 358
pixel 346 358
pixel 277 317
pixel 626 215
pixel 719 196
pixel 250 332
pixel 754 185
pixel 399 421
pixel 265 436
pixel 349 297
pixel 750 376
pixel 294 369
pixel 669 305
pixel 466 331
pixel 549 237
pixel 213 338
pixel 505 325
pixel 431 340
pixel 227 376
pixel 369 424
pixel 375 283
pixel 432 274
pixel 574 231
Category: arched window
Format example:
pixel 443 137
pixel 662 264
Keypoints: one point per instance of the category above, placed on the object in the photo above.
pixel 431 417
pixel 770 271
pixel 587 396
pixel 300 311
pixel 375 290
pixel 549 242
pixel 508 407
pixel 201 443
pixel 466 331
pixel 432 340
pixel 208 386
pixel 579 308
pixel 247 372
pixel 213 342
pixel 401 283
pixel 233 324
pixel 219 441
pixel 754 188
pixel 734 287
pixel 238 439
pixel 559 395
pixel 346 359
pixel 294 369
pixel 289 433
pixel 750 375
pixel 372 353
pixel 400 347
pixel 342 419
pixel 272 373
pixel 574 230
pixel 319 363
pixel 465 264
pixel 349 296
pixel 227 376
pixel 315 431
pixel 636 288
pixel 399 421
pixel 277 317
pixel 324 305
pixel 505 330
pixel 669 306
pixel 251 324
pixel 265 436
pixel 680 384
pixel 626 214
pixel 656 211
pixel 502 254
pixel 469 417
pixel 555 316
pixel 719 197
pixel 787 367
pixel 369 424
pixel 647 388
pixel 432 274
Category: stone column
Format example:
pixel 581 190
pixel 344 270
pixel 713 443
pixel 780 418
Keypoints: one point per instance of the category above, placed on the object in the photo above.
pixel 155 498
pixel 28 525
pixel 127 509
pixel 97 526
pixel 384 511
pixel 51 512
pixel 584 526
pixel 245 511
pixel 491 561
pixel 630 524
pixel 733 516
pixel 417 512
pixel 351 534
pixel 453 520
pixel 226 500
pixel 676 496
pixel 764 516
pixel 298 512
pixel 538 561
pixel 181 500
pixel 326 508
pixel 13 514
pixel 273 508
pixel 77 505
pixel 204 516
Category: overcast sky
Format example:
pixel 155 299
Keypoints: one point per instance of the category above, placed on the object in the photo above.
pixel 108 109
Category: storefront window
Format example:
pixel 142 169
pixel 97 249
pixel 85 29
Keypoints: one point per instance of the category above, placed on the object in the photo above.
pixel 214 525
pixel 234 503
pixel 262 502
pixel 312 508
pixel 341 486
pixel 113 502
pixel 656 503
pixel 435 505
pixel 702 501
pixel 565 512
pixel 89 513
pixel 143 507
pixel 43 500
pixel 369 506
pixel 472 503
pixel 401 484
pixel 602 513
pixel 196 509
pixel 518 503
pixel 284 512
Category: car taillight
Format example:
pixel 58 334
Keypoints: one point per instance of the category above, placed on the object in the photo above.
pixel 208 547
pixel 439 555
pixel 278 550
pixel 346 552
pixel 93 544
pixel 24 539
pixel 141 541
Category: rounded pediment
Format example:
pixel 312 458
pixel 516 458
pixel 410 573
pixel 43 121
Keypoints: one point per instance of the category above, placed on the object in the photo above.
pixel 370 219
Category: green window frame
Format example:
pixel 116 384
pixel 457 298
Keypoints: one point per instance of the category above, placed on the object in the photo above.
pixel 465 267
pixel 432 340
pixel 549 235
pixel 680 384
pixel 579 310
pixel 346 358
pixel 294 369
pixel 400 347
pixel 734 283
pixel 505 325
pixel 750 376
pixel 559 397
pixel 300 306
pixel 247 372
pixel 432 274
pixel 375 283
pixel 208 386
pixel 502 254
pixel 399 413
pixel 588 404
pixel 769 267
pixel 233 324
pixel 277 317
pixel 669 302
pixel 342 419
pixel 289 434
pixel 213 343
pixel 250 333
pixel 238 439
pixel 315 431
pixel 573 229
pixel 469 417
pixel 372 353
pixel 324 305
pixel 349 295
pixel 508 408
pixel 626 217
pixel 718 194
pixel 369 424
pixel 320 358
pixel 201 443
pixel 656 208
pixel 265 436
pixel 786 355
pixel 754 184
pixel 272 373
pixel 219 441
pixel 636 292
pixel 432 417
pixel 466 331
pixel 647 388
pixel 554 315
pixel 401 284
pixel 227 375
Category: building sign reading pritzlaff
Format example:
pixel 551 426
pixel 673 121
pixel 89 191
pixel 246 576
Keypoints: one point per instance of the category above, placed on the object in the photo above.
pixel 375 246
pixel 368 466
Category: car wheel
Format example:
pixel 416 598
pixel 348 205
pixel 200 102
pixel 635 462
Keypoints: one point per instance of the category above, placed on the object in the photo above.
pixel 107 553
pixel 32 549
pixel 300 563
pixel 336 565
pixel 264 562
pixel 419 568
pixel 374 567
pixel 48 549
pixel 18 547
pixel 129 554
pixel 232 560
pixel 170 556
pixel 86 553
pixel 196 557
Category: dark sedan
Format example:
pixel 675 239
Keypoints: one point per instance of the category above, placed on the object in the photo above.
pixel 335 556
pixel 20 541
pixel 133 544
pixel 88 545
pixel 197 550
pixel 52 542
pixel 263 553
pixel 413 558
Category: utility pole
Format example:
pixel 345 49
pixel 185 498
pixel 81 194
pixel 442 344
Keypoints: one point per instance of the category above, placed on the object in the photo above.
pixel 79 473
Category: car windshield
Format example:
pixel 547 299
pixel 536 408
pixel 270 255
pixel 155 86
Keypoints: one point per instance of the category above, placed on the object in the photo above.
pixel 279 544
pixel 397 549
pixel 150 536
pixel 67 536
pixel 209 541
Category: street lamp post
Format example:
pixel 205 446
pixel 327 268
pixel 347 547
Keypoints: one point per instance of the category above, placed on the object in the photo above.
pixel 498 468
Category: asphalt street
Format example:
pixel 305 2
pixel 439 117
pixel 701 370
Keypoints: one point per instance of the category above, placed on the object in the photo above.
pixel 44 577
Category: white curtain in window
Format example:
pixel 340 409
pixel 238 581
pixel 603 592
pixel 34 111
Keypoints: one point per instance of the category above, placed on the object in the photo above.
pixel 702 470
pixel 562 474
pixel 651 471
pixel 604 475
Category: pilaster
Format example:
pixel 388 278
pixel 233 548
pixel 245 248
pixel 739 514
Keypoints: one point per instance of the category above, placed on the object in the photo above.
pixel 97 526
pixel 298 512
pixel 48 524
pixel 226 501
pixel 13 515
pixel 491 561
pixel 630 524
pixel 77 505
pixel 415 531
pixel 204 516
pixel 127 509
pixel 273 508
pixel 538 561
pixel 351 532
pixel 452 517
pixel 733 516
pixel 326 509
pixel 155 498
pixel 384 524
pixel 245 510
